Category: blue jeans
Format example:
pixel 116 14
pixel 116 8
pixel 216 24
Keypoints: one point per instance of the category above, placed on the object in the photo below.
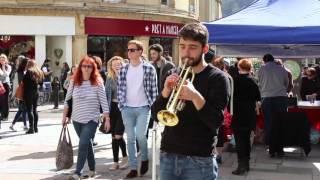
pixel 181 167
pixel 270 106
pixel 85 133
pixel 18 114
pixel 136 120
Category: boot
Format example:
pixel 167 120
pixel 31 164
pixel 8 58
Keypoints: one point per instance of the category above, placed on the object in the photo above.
pixel 241 170
pixel 30 131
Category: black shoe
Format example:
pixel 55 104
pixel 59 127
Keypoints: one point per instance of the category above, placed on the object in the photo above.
pixel 36 130
pixel 272 155
pixel 219 159
pixel 240 171
pixel 144 167
pixel 280 154
pixel 132 174
pixel 94 143
pixel 30 131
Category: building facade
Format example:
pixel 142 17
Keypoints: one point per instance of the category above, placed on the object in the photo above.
pixel 210 10
pixel 66 30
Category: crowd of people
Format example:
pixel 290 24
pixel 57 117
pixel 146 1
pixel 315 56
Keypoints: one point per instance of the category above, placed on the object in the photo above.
pixel 128 96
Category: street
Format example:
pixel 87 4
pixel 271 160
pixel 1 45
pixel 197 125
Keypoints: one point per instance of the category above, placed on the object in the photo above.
pixel 32 157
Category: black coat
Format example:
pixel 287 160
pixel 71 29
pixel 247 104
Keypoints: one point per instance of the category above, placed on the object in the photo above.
pixel 246 94
pixel 308 87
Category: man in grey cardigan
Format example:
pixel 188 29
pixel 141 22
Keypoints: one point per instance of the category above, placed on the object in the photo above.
pixel 273 83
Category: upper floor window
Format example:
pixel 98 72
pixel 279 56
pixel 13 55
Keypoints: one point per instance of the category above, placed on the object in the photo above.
pixel 164 2
pixel 113 1
pixel 192 7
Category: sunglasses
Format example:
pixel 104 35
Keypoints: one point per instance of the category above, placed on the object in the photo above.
pixel 132 50
pixel 87 66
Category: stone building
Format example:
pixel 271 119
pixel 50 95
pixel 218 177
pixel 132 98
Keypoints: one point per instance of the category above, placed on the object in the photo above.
pixel 66 30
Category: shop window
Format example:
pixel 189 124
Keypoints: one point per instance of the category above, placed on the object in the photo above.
pixel 166 43
pixel 13 46
pixel 164 2
pixel 108 46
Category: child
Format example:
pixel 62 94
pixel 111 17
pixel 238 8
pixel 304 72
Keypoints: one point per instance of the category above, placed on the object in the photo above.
pixel 55 87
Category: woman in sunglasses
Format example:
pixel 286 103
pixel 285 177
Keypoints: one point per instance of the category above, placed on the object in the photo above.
pixel 88 94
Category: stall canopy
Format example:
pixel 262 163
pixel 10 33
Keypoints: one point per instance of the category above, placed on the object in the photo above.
pixel 286 28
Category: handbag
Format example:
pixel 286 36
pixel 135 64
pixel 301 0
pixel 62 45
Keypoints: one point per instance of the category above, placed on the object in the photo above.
pixel 64 153
pixel 20 91
pixel 101 128
pixel 2 89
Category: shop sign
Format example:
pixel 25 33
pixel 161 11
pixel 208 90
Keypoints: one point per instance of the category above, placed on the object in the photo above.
pixel 124 27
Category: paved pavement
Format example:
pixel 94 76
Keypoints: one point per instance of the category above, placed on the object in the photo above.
pixel 32 157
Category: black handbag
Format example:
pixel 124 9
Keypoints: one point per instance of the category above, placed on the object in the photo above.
pixel 101 128
pixel 70 108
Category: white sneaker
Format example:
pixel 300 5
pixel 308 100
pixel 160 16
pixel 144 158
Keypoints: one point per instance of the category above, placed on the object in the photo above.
pixel 114 166
pixel 124 163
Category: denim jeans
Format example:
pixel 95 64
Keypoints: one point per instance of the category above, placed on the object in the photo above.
pixel 136 120
pixel 17 116
pixel 270 106
pixel 181 167
pixel 85 133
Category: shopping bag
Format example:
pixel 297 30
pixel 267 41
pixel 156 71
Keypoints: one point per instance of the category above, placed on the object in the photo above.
pixel 2 89
pixel 64 153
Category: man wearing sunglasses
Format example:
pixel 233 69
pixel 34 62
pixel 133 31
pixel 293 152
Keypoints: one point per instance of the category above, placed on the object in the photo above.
pixel 137 90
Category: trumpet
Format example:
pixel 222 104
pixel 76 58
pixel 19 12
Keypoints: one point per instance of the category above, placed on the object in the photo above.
pixel 168 116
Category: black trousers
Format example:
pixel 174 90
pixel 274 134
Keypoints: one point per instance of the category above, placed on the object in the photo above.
pixel 56 97
pixel 243 146
pixel 5 102
pixel 31 106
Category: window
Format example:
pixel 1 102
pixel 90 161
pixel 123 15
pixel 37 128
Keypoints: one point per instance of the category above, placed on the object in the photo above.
pixel 166 43
pixel 108 46
pixel 164 2
pixel 192 7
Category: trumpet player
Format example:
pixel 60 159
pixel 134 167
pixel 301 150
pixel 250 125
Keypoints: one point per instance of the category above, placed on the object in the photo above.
pixel 187 148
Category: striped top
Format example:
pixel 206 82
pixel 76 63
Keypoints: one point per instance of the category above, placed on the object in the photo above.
pixel 86 101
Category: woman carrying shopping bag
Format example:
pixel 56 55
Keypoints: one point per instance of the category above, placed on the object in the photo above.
pixel 88 94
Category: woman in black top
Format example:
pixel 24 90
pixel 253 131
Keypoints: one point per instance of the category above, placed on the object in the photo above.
pixel 310 85
pixel 21 107
pixel 31 80
pixel 246 94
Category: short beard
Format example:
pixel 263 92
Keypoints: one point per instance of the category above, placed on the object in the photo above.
pixel 193 61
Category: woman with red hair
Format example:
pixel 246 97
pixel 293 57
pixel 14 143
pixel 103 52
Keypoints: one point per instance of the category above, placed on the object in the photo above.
pixel 88 94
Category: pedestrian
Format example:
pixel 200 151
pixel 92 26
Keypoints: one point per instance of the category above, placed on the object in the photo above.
pixel 68 79
pixel 246 96
pixel 187 149
pixel 88 94
pixel 33 77
pixel 136 92
pixel 5 70
pixel 117 127
pixel 273 84
pixel 64 74
pixel 21 103
pixel 55 89
pixel 223 65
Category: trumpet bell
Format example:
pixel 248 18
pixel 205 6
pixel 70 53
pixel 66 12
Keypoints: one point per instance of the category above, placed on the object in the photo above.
pixel 167 118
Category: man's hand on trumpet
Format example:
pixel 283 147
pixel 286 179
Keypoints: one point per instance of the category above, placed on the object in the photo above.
pixel 169 84
pixel 188 92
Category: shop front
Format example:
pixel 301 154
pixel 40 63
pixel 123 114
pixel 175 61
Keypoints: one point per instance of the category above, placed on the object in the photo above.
pixel 109 37
pixel 37 37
